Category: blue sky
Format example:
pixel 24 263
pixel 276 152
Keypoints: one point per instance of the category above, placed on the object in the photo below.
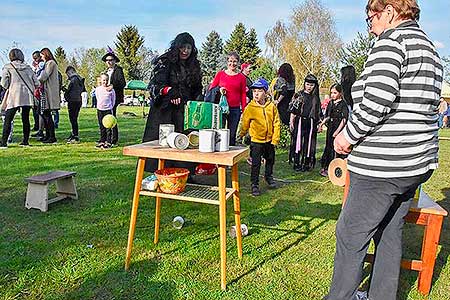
pixel 80 23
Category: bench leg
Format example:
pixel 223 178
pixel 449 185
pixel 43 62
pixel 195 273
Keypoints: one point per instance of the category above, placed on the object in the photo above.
pixel 66 187
pixel 37 196
pixel 429 250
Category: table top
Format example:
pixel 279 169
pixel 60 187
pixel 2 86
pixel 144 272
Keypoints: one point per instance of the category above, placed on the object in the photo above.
pixel 154 150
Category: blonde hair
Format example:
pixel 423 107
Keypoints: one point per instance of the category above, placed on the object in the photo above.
pixel 407 9
pixel 104 74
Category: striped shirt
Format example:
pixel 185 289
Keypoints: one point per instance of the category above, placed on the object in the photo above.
pixel 394 124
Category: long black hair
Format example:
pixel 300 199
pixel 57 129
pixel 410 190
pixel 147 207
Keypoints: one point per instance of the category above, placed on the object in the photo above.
pixel 348 78
pixel 287 72
pixel 180 40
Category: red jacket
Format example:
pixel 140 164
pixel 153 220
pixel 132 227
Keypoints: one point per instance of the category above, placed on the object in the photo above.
pixel 235 86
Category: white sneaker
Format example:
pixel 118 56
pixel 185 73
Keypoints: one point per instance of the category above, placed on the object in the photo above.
pixel 361 295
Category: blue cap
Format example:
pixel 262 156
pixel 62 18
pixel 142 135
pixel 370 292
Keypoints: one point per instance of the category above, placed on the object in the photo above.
pixel 261 83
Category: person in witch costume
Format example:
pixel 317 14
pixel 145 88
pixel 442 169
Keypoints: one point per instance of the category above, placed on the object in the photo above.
pixel 303 124
pixel 116 82
pixel 176 78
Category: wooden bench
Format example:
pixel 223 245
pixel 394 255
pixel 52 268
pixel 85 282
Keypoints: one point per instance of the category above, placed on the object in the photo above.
pixel 426 212
pixel 37 192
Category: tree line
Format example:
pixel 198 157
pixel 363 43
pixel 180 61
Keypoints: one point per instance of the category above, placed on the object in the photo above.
pixel 307 39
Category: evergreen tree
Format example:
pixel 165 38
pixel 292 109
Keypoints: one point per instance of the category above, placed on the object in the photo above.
pixel 244 43
pixel 61 59
pixel 237 41
pixel 128 46
pixel 211 56
pixel 356 52
pixel 264 68
pixel 253 48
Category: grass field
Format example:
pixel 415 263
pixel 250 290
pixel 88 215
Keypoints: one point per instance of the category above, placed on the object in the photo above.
pixel 288 253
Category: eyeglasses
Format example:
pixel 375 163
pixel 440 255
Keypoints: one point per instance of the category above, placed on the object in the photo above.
pixel 111 59
pixel 369 20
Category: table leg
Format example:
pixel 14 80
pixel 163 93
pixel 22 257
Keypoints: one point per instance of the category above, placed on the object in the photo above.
pixel 158 207
pixel 223 225
pixel 429 250
pixel 134 209
pixel 237 207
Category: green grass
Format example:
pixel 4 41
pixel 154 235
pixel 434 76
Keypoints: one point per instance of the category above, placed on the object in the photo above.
pixel 287 255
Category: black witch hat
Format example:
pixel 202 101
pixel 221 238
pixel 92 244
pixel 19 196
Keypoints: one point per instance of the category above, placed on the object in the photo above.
pixel 110 53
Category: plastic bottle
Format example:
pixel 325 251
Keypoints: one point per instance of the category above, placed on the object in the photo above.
pixel 244 230
pixel 178 222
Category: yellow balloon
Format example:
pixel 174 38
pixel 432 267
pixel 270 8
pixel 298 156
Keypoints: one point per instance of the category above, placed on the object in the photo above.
pixel 109 121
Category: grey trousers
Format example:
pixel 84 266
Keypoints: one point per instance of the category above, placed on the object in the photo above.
pixel 375 208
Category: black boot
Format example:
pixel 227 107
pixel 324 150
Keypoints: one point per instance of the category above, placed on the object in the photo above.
pixel 271 183
pixel 255 190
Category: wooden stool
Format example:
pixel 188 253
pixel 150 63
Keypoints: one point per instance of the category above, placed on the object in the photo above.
pixel 37 192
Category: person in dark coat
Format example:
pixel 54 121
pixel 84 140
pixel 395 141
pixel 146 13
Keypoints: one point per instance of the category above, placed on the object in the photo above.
pixel 176 79
pixel 304 124
pixel 116 82
pixel 348 78
pixel 336 116
pixel 73 97
pixel 284 89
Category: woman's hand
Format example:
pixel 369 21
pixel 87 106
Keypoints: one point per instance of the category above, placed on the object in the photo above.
pixel 341 145
pixel 319 128
pixel 176 101
pixel 109 88
pixel 223 91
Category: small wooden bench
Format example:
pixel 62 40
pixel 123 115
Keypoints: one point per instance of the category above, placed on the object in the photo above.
pixel 37 192
pixel 425 212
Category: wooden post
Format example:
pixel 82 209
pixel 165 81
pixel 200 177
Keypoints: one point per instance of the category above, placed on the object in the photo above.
pixel 429 250
pixel 158 207
pixel 223 226
pixel 237 207
pixel 134 209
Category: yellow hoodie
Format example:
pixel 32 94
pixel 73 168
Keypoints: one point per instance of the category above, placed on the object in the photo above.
pixel 262 122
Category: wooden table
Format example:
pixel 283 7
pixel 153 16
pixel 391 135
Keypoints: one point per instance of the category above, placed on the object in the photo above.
pixel 194 193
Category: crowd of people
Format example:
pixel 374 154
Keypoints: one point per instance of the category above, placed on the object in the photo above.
pixel 385 124
pixel 38 88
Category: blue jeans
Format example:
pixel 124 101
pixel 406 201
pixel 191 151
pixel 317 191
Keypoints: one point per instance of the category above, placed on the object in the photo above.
pixel 55 114
pixel 440 120
pixel 232 120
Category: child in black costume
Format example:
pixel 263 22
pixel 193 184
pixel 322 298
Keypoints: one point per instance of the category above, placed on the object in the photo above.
pixel 305 115
pixel 336 117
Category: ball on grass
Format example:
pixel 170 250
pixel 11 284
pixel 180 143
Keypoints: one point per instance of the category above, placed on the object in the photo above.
pixel 109 121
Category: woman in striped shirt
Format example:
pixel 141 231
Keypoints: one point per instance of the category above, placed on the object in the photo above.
pixel 392 140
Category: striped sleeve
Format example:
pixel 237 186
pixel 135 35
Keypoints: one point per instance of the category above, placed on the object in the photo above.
pixel 380 89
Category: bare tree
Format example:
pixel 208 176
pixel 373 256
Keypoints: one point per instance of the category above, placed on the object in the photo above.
pixel 4 53
pixel 308 41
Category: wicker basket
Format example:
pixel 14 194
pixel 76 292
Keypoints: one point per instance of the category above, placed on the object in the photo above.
pixel 172 180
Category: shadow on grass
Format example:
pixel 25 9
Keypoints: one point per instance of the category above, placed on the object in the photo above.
pixel 116 283
pixel 308 217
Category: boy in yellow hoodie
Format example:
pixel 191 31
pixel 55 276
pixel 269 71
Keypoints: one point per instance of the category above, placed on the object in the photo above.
pixel 262 121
